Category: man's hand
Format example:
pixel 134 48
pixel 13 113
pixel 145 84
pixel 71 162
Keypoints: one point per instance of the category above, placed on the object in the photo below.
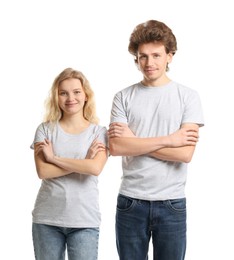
pixel 119 130
pixel 183 137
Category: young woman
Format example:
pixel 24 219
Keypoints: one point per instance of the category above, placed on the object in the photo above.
pixel 70 152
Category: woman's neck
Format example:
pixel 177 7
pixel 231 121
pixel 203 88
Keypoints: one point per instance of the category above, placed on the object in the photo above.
pixel 73 124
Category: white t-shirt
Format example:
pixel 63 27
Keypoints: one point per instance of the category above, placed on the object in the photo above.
pixel 71 200
pixel 152 112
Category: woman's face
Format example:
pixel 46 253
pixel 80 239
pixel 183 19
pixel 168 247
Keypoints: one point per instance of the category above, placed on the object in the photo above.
pixel 71 97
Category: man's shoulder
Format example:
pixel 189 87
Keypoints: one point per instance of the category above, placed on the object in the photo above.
pixel 183 88
pixel 128 89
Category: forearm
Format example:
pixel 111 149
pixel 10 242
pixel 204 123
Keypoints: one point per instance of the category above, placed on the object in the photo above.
pixel 123 142
pixel 177 154
pixel 134 146
pixel 47 170
pixel 83 166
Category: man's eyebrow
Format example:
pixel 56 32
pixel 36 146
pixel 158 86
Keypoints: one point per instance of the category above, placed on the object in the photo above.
pixel 142 53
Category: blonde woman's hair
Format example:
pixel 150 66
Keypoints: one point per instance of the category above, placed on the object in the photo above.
pixel 53 113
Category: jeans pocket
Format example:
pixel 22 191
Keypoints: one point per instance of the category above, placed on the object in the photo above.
pixel 124 203
pixel 177 205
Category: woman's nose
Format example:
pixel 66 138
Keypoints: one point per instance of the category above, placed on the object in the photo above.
pixel 70 96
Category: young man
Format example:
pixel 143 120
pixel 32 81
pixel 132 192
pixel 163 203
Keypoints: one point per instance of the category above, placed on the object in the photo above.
pixel 154 126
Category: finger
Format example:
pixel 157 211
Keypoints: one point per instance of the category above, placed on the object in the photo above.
pixel 101 146
pixel 98 147
pixel 96 144
pixel 38 150
pixel 193 140
pixel 95 140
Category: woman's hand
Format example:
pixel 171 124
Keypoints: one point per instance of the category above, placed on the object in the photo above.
pixel 95 148
pixel 46 148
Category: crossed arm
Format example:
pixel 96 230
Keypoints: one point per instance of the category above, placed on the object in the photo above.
pixel 178 146
pixel 50 166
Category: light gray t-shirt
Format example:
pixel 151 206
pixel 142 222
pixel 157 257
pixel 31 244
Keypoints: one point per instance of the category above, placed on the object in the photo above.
pixel 71 200
pixel 152 112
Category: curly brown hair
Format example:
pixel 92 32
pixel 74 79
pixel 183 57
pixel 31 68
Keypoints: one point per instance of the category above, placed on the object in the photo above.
pixel 152 31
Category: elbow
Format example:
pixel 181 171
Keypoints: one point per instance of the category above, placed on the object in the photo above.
pixel 187 158
pixel 96 170
pixel 113 152
pixel 42 176
pixel 113 149
pixel 41 173
pixel 188 155
pixel 96 173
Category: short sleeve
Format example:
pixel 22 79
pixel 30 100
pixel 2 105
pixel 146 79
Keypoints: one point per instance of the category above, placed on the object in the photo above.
pixel 193 112
pixel 118 111
pixel 102 135
pixel 41 133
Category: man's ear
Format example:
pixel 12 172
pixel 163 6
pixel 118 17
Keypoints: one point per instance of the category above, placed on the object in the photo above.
pixel 136 63
pixel 169 57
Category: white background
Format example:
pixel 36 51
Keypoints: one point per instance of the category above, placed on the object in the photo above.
pixel 41 38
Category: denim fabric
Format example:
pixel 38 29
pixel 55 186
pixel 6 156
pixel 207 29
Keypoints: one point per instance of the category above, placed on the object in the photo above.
pixel 137 221
pixel 50 242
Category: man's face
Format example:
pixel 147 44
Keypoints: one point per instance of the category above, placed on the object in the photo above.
pixel 152 61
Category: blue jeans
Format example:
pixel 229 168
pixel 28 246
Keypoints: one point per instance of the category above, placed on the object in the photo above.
pixel 50 242
pixel 137 221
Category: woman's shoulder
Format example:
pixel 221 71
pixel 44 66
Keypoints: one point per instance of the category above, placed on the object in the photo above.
pixel 46 126
pixel 97 127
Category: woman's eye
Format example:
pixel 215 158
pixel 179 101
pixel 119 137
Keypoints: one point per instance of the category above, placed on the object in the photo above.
pixel 143 57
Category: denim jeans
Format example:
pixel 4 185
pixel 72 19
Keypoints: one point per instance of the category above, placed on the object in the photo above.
pixel 137 221
pixel 50 242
